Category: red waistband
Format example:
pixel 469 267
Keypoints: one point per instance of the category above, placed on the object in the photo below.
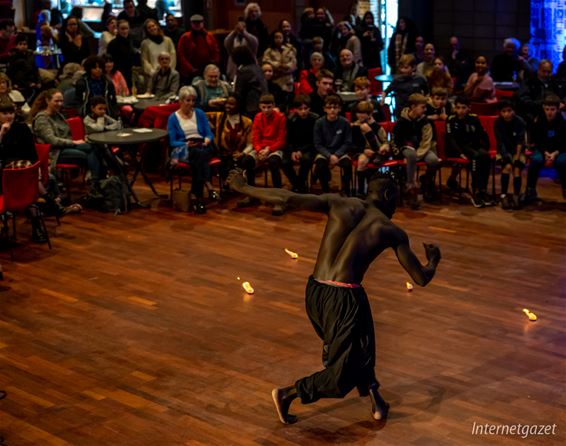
pixel 339 284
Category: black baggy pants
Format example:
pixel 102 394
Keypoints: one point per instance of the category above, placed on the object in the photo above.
pixel 342 318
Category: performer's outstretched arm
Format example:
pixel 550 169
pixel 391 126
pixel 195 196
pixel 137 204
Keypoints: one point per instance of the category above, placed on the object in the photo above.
pixel 422 275
pixel 291 200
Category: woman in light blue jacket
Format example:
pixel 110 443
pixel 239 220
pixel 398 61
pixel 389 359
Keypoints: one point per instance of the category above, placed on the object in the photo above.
pixel 190 137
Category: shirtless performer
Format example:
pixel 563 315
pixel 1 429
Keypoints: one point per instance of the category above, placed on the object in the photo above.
pixel 356 233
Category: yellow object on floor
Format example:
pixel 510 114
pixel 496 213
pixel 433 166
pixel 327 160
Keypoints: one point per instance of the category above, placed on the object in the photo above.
pixel 530 315
pixel 293 255
pixel 248 287
pixel 409 286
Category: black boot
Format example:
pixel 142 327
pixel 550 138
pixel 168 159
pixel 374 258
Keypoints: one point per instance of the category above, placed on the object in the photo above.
pixel 38 235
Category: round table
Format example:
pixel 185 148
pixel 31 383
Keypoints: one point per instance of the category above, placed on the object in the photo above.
pixel 132 137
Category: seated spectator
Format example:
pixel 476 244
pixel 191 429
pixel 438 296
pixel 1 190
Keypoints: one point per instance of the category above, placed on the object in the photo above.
pixel 510 136
pixel 300 145
pixel 349 41
pixel 319 47
pixel 196 49
pixel 95 83
pixel 414 136
pixel 97 121
pixel 135 21
pixel 283 58
pixel 7 92
pixel 466 138
pixel 533 91
pixel 74 45
pixel 107 35
pixel 190 138
pixel 50 127
pixel 212 91
pixel 370 143
pixel 7 37
pixel 405 84
pixel 530 61
pixel 238 37
pixel 232 133
pixel 164 83
pixel 425 67
pixel 324 87
pixel 290 39
pixel 70 75
pixel 307 78
pixel 362 88
pixel 371 41
pixel 333 142
pixel 281 97
pixel 549 142
pixel 459 63
pixel 315 25
pixel 122 51
pixel 250 83
pixel 480 86
pixel 77 12
pixel 438 106
pixel 114 75
pixel 172 29
pixel 347 71
pixel 268 139
pixel 440 77
pixel 16 143
pixel 154 44
pixel 22 67
pixel 419 49
pixel 507 66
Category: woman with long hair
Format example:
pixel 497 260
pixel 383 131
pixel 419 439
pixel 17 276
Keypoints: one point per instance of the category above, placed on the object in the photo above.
pixel 155 43
pixel 283 58
pixel 50 127
pixel 440 76
pixel 371 41
pixel 480 86
pixel 402 42
pixel 108 35
pixel 74 45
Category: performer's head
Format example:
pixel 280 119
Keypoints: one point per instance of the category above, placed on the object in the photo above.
pixel 383 193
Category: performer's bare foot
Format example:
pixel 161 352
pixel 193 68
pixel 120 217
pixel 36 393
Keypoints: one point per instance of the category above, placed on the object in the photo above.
pixel 379 408
pixel 282 397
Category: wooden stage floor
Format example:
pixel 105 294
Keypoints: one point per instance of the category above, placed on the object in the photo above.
pixel 134 330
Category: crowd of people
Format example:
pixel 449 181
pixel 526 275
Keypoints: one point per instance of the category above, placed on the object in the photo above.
pixel 299 103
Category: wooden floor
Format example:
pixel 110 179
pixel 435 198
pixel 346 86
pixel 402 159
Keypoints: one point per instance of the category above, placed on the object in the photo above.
pixel 134 330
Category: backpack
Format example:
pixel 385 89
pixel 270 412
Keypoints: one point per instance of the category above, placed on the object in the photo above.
pixel 115 195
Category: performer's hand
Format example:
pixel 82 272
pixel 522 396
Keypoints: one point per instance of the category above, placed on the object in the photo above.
pixel 432 252
pixel 236 179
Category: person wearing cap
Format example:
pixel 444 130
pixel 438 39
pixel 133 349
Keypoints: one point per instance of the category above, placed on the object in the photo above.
pixel 196 49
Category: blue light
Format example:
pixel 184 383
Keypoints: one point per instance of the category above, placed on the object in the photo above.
pixel 548 29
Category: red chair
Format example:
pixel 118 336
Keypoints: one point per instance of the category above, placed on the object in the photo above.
pixel 487 122
pixel 77 127
pixel 484 108
pixel 376 87
pixel 504 94
pixel 42 151
pixel 20 189
pixel 440 131
pixel 183 169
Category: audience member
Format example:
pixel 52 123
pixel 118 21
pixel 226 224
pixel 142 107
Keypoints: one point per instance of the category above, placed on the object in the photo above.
pixel 405 84
pixel 134 19
pixel 510 136
pixel 172 29
pixel 370 143
pixel 440 77
pixel 371 41
pixel 459 63
pixel 122 51
pixel 95 83
pixel 155 44
pixel 307 78
pixel 349 41
pixel 197 48
pixel 438 107
pixel 212 91
pixel 549 143
pixel 22 68
pixel 268 139
pixel 238 37
pixel 74 45
pixel 283 59
pixel 97 121
pixel 190 138
pixel 250 83
pixel 362 88
pixel 232 134
pixel 414 137
pixel 164 83
pixel 480 86
pixel 255 26
pixel 507 66
pixel 426 67
pixel 466 138
pixel 107 35
pixel 324 87
pixel 7 37
pixel 281 97
pixel 347 71
pixel 300 145
pixel 533 91
pixel 333 142
pixel 402 42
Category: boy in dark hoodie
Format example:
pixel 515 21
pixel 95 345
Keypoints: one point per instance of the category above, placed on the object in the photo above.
pixel 22 68
pixel 549 139
pixel 406 83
